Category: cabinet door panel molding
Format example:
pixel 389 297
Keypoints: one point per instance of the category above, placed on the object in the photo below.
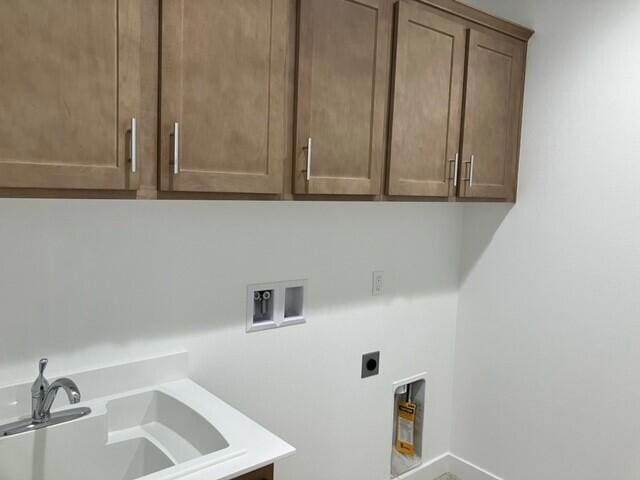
pixel 71 86
pixel 260 99
pixel 427 103
pixel 223 84
pixel 495 73
pixel 341 96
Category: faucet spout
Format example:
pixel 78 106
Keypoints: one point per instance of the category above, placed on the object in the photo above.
pixel 44 394
pixel 70 388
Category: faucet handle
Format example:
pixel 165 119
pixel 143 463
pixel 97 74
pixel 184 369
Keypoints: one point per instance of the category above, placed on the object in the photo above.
pixel 40 384
pixel 42 365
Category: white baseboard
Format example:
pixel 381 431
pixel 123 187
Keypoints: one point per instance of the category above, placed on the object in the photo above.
pixel 448 463
pixel 430 470
pixel 468 471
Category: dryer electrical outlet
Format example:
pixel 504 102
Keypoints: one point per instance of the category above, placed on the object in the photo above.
pixel 370 364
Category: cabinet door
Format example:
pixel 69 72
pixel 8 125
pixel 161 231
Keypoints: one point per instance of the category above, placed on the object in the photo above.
pixel 427 103
pixel 342 91
pixel 71 85
pixel 223 84
pixel 265 473
pixel 493 108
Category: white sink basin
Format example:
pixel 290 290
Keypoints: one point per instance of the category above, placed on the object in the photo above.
pixel 160 432
pixel 176 430
pixel 75 449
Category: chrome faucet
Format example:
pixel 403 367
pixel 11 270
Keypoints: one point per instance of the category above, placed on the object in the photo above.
pixel 44 394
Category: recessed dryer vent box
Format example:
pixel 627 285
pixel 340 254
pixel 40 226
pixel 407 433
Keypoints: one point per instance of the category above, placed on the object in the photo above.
pixel 411 390
pixel 275 305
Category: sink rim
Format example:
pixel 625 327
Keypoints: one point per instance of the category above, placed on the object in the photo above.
pixel 99 407
pixel 171 424
pixel 251 446
pixel 28 425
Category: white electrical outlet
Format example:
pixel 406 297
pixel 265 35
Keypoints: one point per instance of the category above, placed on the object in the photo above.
pixel 378 284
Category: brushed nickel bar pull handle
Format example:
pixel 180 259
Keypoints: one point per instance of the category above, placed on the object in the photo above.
pixel 176 148
pixel 134 145
pixel 455 169
pixel 470 177
pixel 455 172
pixel 308 149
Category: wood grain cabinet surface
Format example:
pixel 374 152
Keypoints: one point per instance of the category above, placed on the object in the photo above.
pixel 342 90
pixel 223 83
pixel 278 99
pixel 265 473
pixel 495 83
pixel 427 103
pixel 71 85
pixel 451 137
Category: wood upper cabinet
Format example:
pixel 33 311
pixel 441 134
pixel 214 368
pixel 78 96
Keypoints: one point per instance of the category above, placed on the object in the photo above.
pixel 493 109
pixel 426 104
pixel 223 85
pixel 450 136
pixel 234 116
pixel 71 85
pixel 342 91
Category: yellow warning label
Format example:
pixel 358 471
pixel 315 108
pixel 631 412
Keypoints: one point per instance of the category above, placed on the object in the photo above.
pixel 405 428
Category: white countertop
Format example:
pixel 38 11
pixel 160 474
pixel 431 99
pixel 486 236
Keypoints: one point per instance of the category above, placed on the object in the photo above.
pixel 250 446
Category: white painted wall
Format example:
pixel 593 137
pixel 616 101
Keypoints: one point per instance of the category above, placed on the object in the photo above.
pixel 547 357
pixel 546 349
pixel 89 282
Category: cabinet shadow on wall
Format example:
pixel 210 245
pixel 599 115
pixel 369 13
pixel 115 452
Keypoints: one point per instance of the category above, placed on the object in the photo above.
pixel 91 274
pixel 480 222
